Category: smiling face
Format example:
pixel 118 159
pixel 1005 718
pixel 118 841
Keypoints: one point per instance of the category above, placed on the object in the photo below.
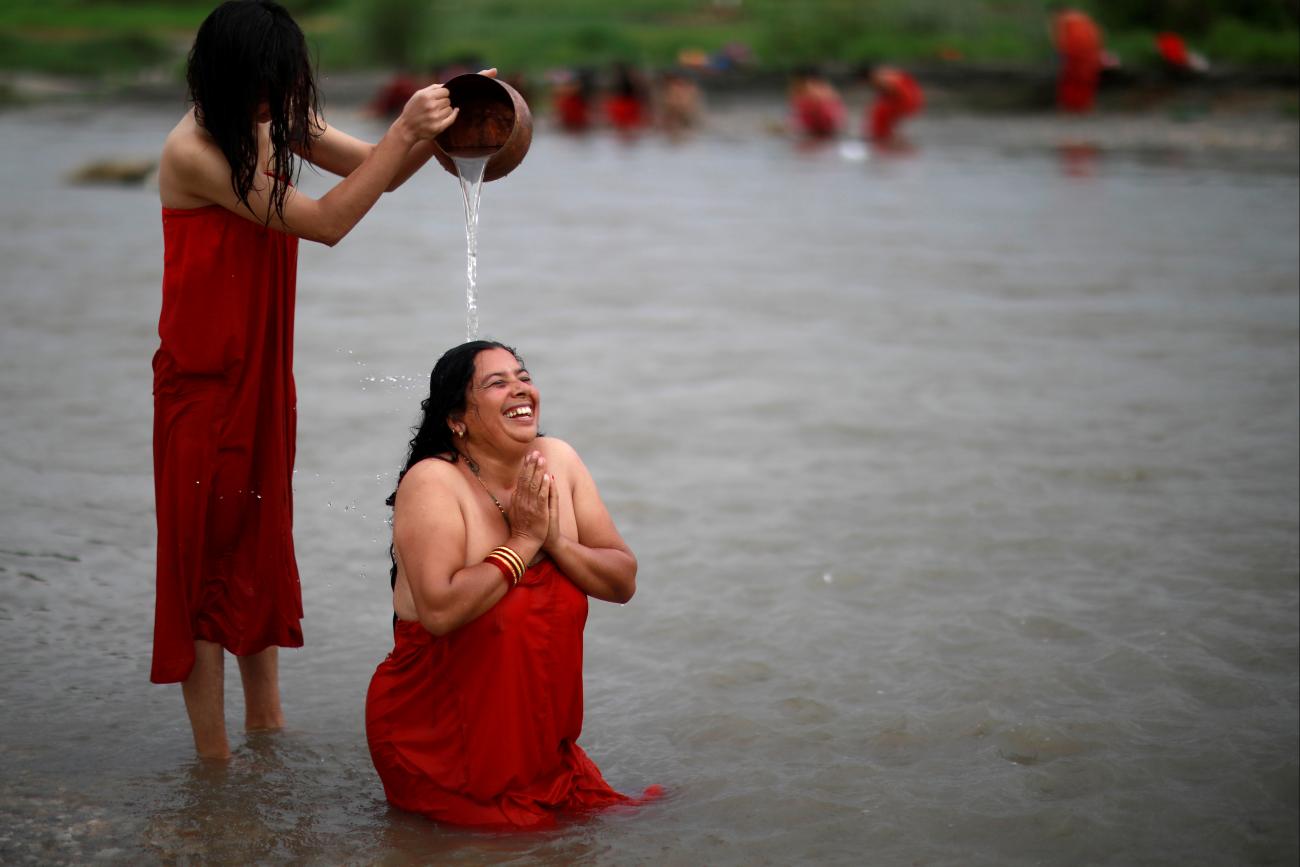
pixel 502 404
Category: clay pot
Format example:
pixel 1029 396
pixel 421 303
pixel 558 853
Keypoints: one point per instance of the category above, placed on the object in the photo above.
pixel 493 119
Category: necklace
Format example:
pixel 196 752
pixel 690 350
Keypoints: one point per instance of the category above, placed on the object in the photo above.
pixel 473 468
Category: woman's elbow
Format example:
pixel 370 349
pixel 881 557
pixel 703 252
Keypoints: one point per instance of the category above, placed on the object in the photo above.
pixel 626 588
pixel 331 235
pixel 325 228
pixel 322 235
pixel 436 623
pixel 623 590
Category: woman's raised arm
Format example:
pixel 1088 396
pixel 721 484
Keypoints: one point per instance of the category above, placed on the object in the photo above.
pixel 196 168
pixel 598 560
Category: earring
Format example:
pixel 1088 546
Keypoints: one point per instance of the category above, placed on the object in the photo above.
pixel 460 432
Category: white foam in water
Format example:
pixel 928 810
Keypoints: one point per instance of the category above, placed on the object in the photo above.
pixel 470 172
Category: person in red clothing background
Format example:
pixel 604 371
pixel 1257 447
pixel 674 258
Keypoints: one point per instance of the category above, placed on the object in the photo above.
pixel 816 110
pixel 627 105
pixel 898 95
pixel 224 398
pixel 1179 60
pixel 1078 42
pixel 571 96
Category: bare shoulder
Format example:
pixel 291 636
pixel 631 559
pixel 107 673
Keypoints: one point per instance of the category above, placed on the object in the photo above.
pixel 190 163
pixel 429 477
pixel 557 451
pixel 187 141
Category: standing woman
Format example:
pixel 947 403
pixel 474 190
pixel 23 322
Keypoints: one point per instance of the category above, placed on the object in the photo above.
pixel 224 399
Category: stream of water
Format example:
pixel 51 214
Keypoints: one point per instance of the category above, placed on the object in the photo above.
pixel 469 171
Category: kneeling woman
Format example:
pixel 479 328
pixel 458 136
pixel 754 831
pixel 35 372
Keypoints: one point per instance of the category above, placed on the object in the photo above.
pixel 499 537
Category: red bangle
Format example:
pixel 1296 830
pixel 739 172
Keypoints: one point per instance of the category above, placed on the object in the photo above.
pixel 506 572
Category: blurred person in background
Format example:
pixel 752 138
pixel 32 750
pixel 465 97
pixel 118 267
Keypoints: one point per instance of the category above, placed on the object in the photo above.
pixel 1078 42
pixel 897 96
pixel 677 103
pixel 225 414
pixel 816 110
pixel 572 92
pixel 627 104
pixel 1180 62
pixel 499 538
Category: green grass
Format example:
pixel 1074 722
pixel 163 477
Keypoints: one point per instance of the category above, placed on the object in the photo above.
pixel 93 37
pixel 1244 44
pixel 90 56
pixel 79 16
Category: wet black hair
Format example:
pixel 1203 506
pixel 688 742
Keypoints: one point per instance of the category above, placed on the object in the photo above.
pixel 448 392
pixel 247 52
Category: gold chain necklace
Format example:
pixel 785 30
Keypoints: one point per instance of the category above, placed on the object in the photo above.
pixel 473 468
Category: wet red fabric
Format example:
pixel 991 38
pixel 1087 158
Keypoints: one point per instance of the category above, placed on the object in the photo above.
pixel 1079 42
pixel 479 727
pixel 224 429
pixel 901 97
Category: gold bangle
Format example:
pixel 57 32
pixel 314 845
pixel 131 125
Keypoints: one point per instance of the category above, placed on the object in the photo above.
pixel 514 559
pixel 510 559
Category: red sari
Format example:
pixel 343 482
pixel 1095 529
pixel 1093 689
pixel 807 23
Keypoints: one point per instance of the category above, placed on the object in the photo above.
pixel 224 428
pixel 479 727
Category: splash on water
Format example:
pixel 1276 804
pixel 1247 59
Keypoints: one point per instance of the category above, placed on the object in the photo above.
pixel 470 172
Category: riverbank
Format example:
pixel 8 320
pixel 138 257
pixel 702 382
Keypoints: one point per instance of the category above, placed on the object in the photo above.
pixel 970 86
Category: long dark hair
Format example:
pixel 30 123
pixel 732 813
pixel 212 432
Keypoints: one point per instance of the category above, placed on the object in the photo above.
pixel 448 390
pixel 246 52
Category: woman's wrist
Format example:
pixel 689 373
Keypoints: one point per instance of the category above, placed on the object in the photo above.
pixel 525 546
pixel 554 545
pixel 403 133
pixel 508 561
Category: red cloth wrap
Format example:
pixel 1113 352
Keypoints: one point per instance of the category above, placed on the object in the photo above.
pixel 224 430
pixel 479 727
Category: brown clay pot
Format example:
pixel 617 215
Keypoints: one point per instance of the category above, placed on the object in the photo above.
pixel 493 119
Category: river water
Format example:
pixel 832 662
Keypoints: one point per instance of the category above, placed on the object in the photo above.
pixel 963 484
